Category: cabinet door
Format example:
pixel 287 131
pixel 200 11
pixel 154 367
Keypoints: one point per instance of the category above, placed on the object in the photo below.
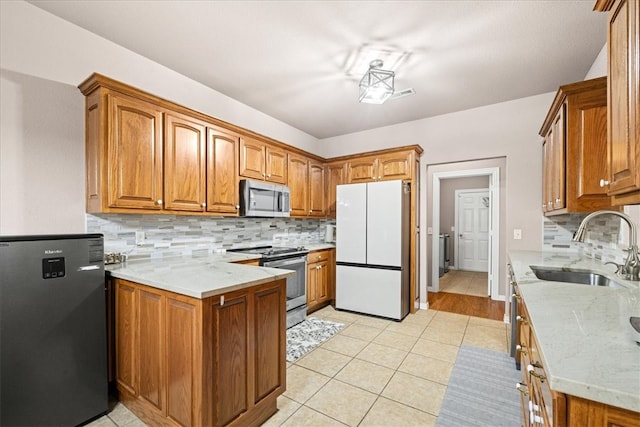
pixel 185 164
pixel 222 161
pixel 299 185
pixel 394 166
pixel 624 97
pixel 269 325
pixel 322 281
pixel 558 149
pixel 547 172
pixel 276 166
pixel 134 171
pixel 126 338
pixel 232 357
pixel 252 158
pixel 362 170
pixel 316 189
pixel 151 344
pixel 336 175
pixel 312 285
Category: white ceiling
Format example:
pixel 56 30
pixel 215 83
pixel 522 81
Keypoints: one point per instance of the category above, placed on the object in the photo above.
pixel 289 59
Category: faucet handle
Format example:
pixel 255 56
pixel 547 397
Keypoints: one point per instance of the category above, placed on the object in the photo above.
pixel 618 266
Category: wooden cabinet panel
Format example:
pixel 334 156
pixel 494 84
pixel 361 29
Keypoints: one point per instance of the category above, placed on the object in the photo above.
pixel 134 154
pixel 298 185
pixel 624 100
pixel 151 327
pixel 126 339
pixel 558 149
pixel 267 327
pixel 336 175
pixel 394 166
pixel 185 164
pixel 232 357
pixel 361 170
pixel 252 159
pixel 316 189
pixel 318 280
pixel 222 175
pixel 276 166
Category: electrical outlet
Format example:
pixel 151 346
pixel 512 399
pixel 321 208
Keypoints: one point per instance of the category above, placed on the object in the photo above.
pixel 517 234
pixel 139 238
pixel 429 230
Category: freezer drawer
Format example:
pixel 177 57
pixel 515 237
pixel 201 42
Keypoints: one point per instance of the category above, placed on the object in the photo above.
pixel 370 291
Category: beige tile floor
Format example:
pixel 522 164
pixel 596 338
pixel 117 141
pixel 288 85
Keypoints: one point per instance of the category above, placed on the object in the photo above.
pixel 374 372
pixel 464 282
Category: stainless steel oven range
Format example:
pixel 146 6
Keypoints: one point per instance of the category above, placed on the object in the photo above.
pixel 290 259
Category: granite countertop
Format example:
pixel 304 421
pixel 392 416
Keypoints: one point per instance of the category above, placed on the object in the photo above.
pixel 197 277
pixel 583 331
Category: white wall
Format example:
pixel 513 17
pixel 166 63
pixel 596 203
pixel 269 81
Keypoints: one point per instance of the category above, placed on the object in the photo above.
pixel 37 43
pixel 42 172
pixel 599 66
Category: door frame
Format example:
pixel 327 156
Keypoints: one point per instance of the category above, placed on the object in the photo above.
pixel 494 224
pixel 456 222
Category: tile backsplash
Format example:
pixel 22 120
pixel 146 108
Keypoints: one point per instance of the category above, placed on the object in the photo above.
pixel 605 240
pixel 182 235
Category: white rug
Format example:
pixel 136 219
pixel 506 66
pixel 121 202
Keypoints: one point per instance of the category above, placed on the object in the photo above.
pixel 305 336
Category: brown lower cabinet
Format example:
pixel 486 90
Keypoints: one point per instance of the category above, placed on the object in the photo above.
pixel 183 361
pixel 542 406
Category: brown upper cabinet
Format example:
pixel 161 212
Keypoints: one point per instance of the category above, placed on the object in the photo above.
pixel 222 171
pixel 382 167
pixel 259 160
pixel 124 153
pixel 624 99
pixel 336 175
pixel 575 144
pixel 306 183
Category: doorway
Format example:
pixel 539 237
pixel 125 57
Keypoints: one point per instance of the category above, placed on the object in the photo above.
pixel 492 235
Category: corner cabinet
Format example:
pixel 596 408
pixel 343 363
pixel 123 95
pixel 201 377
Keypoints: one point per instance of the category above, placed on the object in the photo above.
pixel 336 173
pixel 184 361
pixel 575 144
pixel 624 99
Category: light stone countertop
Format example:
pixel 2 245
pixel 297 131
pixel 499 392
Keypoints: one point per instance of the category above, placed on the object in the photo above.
pixel 583 331
pixel 200 277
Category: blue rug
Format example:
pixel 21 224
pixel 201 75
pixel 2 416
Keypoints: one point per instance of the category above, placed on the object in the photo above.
pixel 481 391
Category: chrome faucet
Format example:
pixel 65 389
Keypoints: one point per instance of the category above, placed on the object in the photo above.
pixel 630 270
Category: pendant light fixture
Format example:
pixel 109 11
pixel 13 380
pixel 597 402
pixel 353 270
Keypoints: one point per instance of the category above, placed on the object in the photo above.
pixel 376 86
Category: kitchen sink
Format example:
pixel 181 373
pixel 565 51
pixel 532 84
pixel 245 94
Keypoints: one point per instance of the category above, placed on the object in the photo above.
pixel 574 276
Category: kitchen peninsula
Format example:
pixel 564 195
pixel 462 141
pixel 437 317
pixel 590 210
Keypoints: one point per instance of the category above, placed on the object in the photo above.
pixel 199 341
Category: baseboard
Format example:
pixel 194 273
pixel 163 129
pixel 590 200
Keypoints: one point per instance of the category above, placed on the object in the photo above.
pixel 506 318
pixel 424 306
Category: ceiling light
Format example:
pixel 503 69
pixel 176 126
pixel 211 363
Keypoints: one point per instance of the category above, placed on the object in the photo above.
pixel 376 86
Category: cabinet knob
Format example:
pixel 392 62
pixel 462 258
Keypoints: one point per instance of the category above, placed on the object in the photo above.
pixel 268 175
pixel 204 205
pixel 159 202
pixel 557 200
pixel 531 370
pixel 310 210
pixel 264 175
pixel 237 207
pixel 521 319
pixel 521 349
pixel 604 183
pixel 516 295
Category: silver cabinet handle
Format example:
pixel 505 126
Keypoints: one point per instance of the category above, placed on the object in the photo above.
pixel 604 183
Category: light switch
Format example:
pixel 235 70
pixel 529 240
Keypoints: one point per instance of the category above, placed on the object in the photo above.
pixel 517 234
pixel 429 230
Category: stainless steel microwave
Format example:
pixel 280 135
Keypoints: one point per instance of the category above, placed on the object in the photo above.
pixel 264 199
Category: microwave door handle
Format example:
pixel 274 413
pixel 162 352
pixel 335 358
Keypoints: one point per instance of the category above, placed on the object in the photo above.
pixel 280 206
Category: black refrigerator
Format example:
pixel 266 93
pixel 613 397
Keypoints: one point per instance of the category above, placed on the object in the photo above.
pixel 53 352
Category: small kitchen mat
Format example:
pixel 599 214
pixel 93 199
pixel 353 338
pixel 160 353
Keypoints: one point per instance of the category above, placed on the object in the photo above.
pixel 481 391
pixel 305 336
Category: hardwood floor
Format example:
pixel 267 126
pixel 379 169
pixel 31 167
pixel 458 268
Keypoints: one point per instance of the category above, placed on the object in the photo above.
pixel 469 305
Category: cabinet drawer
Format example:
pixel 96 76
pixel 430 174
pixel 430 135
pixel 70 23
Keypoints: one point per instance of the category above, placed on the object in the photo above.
pixel 318 256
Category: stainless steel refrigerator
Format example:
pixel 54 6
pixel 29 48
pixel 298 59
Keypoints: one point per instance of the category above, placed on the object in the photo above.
pixel 53 351
pixel 372 248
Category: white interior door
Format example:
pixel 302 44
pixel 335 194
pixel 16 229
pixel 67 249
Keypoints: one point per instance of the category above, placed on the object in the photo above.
pixel 473 230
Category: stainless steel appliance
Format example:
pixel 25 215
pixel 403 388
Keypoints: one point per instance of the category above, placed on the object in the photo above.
pixel 444 254
pixel 372 248
pixel 263 199
pixel 53 355
pixel 290 259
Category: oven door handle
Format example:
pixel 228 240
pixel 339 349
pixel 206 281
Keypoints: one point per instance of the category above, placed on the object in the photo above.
pixel 282 263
